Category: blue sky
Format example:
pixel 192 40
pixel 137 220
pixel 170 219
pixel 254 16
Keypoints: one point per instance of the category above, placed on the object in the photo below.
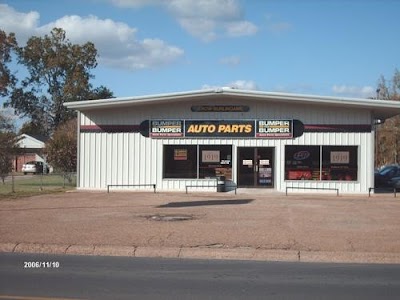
pixel 334 48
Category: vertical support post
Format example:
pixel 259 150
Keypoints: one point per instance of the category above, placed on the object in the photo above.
pixel 12 183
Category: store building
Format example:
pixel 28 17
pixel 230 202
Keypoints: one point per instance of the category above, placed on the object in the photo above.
pixel 254 139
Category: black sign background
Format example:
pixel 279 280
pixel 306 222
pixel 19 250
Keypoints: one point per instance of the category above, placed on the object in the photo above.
pixel 145 128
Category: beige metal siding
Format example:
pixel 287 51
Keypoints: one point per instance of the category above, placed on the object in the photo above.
pixel 130 158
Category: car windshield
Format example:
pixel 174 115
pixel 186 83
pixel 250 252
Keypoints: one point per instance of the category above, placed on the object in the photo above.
pixel 386 170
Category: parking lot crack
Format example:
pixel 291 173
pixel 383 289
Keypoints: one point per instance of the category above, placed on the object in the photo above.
pixel 15 247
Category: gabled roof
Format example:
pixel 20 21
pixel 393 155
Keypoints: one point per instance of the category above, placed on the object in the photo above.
pixel 32 141
pixel 380 108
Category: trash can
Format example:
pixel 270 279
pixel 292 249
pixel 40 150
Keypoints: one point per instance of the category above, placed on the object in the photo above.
pixel 221 184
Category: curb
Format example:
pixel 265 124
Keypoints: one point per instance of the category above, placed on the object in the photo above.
pixel 206 253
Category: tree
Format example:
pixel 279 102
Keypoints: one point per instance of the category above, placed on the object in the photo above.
pixel 388 133
pixel 61 149
pixel 8 44
pixel 8 146
pixel 31 128
pixel 5 123
pixel 58 72
pixel 99 93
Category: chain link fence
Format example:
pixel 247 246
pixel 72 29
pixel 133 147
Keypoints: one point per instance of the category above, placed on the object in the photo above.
pixel 17 184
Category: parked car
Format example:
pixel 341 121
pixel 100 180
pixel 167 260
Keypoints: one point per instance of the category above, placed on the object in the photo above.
pixel 395 182
pixel 35 167
pixel 388 176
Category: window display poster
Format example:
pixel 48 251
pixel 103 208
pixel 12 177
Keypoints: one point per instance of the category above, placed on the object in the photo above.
pixel 340 157
pixel 265 176
pixel 210 156
pixel 247 162
pixel 180 154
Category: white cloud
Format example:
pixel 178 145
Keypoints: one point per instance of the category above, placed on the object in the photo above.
pixel 23 24
pixel 116 42
pixel 147 54
pixel 135 3
pixel 241 28
pixel 218 10
pixel 230 60
pixel 238 84
pixel 201 28
pixel 354 91
pixel 244 85
pixel 208 19
pixel 300 88
pixel 203 19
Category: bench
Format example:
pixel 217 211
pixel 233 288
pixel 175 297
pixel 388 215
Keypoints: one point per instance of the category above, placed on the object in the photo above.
pixel 312 188
pixel 382 189
pixel 207 186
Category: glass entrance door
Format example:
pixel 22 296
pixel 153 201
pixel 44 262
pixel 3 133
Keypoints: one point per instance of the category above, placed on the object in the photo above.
pixel 255 167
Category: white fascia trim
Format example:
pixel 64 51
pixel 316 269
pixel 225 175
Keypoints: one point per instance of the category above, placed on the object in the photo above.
pixel 137 100
pixel 295 98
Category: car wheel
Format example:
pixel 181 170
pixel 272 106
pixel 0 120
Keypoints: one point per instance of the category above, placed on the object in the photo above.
pixel 25 173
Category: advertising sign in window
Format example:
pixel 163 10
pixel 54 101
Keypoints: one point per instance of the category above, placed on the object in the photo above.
pixel 210 156
pixel 340 157
pixel 180 154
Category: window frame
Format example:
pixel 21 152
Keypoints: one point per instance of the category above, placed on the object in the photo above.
pixel 349 171
pixel 168 152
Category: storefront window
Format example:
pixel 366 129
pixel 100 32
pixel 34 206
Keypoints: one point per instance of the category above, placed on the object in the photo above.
pixel 215 161
pixel 193 161
pixel 302 163
pixel 339 163
pixel 180 161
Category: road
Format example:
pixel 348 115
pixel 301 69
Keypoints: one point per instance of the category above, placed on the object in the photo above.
pixel 93 277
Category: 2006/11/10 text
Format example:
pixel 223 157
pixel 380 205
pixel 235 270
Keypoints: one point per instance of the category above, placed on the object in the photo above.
pixel 41 264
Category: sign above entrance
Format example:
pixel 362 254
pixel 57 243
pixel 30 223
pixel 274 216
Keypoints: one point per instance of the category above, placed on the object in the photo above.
pixel 166 129
pixel 269 129
pixel 220 108
pixel 274 129
pixel 213 128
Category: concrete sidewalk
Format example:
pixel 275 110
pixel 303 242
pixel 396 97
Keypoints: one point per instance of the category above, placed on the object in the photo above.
pixel 257 226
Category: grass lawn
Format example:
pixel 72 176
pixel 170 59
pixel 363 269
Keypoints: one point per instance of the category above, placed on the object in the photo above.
pixel 31 185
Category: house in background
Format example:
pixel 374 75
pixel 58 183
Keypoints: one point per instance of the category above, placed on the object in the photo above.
pixel 31 149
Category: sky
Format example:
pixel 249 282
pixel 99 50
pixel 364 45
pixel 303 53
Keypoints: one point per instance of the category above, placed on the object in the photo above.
pixel 319 47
